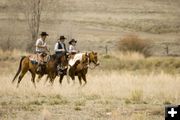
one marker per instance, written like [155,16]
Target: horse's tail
[19,69]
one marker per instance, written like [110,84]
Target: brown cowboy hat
[44,34]
[73,40]
[61,38]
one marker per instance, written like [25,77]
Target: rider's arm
[41,46]
[56,48]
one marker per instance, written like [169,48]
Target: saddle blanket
[34,57]
[76,58]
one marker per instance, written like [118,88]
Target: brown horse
[80,68]
[49,68]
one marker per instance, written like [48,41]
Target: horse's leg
[50,77]
[73,79]
[60,79]
[53,78]
[33,74]
[46,79]
[84,78]
[72,75]
[52,81]
[24,71]
[39,78]
[67,74]
[33,79]
[79,77]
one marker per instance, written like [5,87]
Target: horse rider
[60,50]
[72,48]
[74,54]
[41,50]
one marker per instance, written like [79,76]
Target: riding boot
[39,69]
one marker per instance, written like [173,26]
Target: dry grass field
[124,87]
[111,94]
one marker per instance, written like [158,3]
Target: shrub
[80,103]
[134,43]
[77,108]
[136,96]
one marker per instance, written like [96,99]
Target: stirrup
[60,72]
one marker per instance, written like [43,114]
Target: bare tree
[32,10]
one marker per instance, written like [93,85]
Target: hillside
[96,24]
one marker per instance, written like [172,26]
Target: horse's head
[93,58]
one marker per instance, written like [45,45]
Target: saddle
[35,58]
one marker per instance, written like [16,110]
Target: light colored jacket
[72,49]
[42,43]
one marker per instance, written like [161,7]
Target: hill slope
[97,23]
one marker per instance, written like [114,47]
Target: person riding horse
[41,50]
[80,67]
[60,50]
[72,48]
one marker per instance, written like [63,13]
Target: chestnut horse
[80,68]
[50,68]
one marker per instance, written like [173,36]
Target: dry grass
[11,54]
[98,23]
[136,62]
[108,95]
[115,91]
[128,55]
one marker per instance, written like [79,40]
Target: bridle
[89,62]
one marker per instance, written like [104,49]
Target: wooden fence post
[167,49]
[106,48]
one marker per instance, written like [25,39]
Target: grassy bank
[129,61]
[137,63]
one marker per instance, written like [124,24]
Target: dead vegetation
[98,22]
[134,43]
[127,85]
[109,94]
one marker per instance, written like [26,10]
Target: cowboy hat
[73,40]
[61,38]
[44,34]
